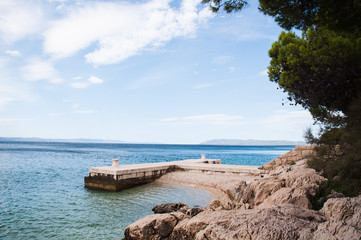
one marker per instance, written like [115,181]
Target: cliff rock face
[299,153]
[274,206]
[169,207]
[278,222]
[286,184]
[343,219]
[339,219]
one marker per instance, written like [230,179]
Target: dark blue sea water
[42,193]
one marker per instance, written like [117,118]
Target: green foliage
[331,136]
[310,139]
[289,14]
[335,15]
[330,187]
[338,158]
[228,6]
[341,16]
[320,70]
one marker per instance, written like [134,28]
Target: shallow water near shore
[43,196]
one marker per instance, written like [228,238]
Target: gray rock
[276,206]
[169,207]
[335,194]
[343,219]
[279,222]
[194,211]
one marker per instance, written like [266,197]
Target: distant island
[251,142]
[77,140]
[232,142]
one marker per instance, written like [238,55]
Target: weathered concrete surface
[120,177]
[117,180]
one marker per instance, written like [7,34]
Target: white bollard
[115,163]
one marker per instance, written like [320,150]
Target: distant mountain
[78,140]
[251,142]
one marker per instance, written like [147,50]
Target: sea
[42,194]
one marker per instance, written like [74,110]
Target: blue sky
[148,71]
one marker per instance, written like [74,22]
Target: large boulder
[278,222]
[177,207]
[157,226]
[285,184]
[169,207]
[338,219]
[298,153]
[275,205]
[343,219]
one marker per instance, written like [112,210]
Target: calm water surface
[43,196]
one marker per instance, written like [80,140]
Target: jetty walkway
[119,177]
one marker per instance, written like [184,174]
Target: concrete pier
[119,177]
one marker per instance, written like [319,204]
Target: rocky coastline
[274,205]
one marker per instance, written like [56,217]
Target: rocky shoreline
[275,205]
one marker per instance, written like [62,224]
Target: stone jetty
[119,177]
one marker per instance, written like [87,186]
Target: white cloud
[19,18]
[37,69]
[11,120]
[13,53]
[264,73]
[169,119]
[212,119]
[95,80]
[288,121]
[205,85]
[76,108]
[209,84]
[222,60]
[121,30]
[79,84]
[249,27]
[10,89]
[290,117]
[91,80]
[84,111]
[61,1]
[53,114]
[283,124]
[150,79]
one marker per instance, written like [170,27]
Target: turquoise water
[43,196]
